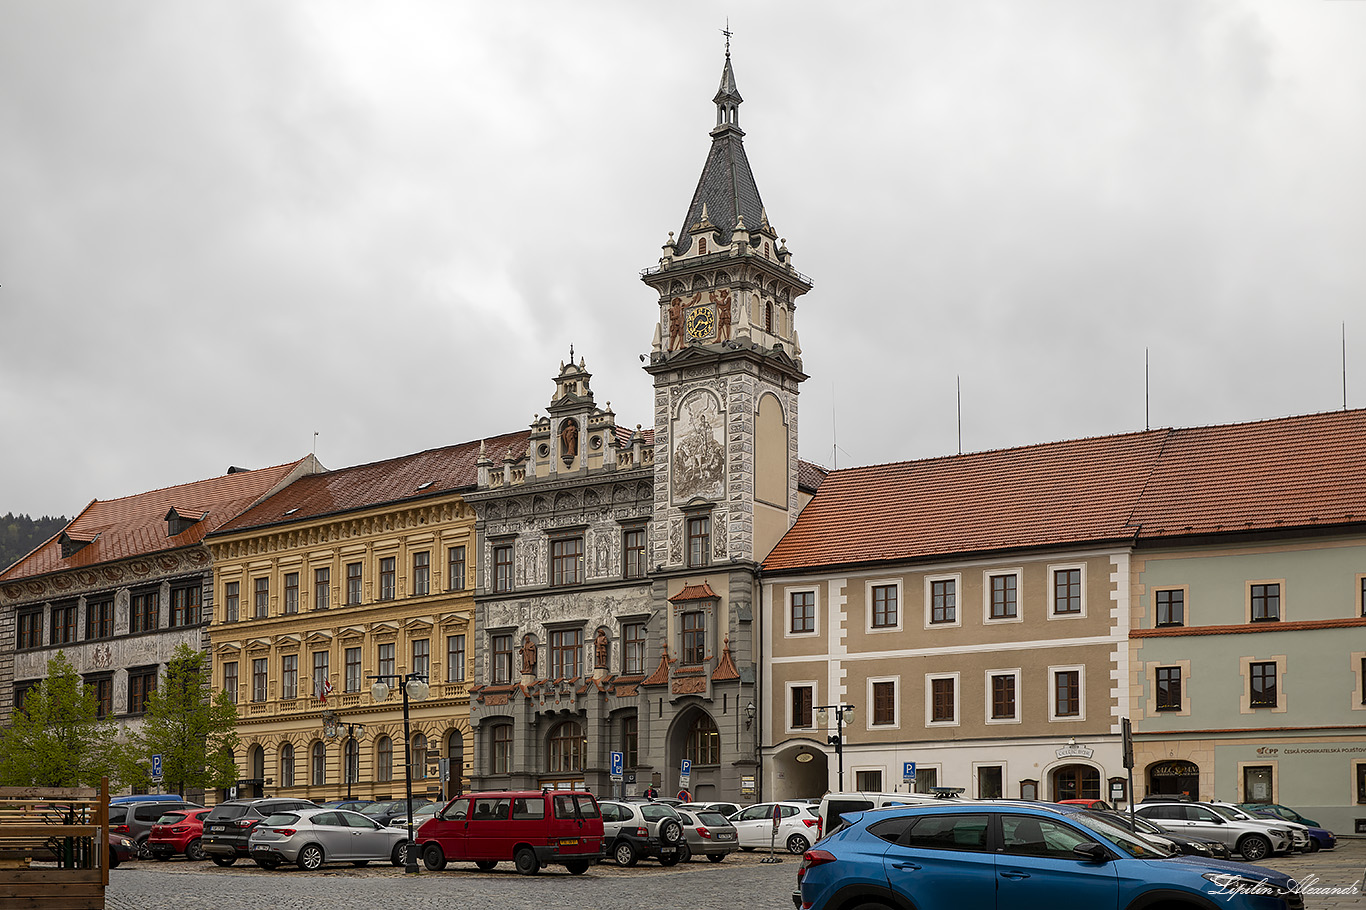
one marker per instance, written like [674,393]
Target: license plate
[216,828]
[569,842]
[725,837]
[667,849]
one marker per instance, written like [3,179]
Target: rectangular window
[291,592]
[232,598]
[884,703]
[1067,693]
[30,630]
[633,553]
[1003,596]
[868,781]
[64,624]
[502,568]
[104,696]
[353,673]
[565,647]
[455,658]
[388,570]
[1067,591]
[1362,599]
[259,679]
[803,613]
[455,568]
[322,588]
[633,657]
[630,741]
[1266,603]
[1168,688]
[230,680]
[262,602]
[1003,696]
[386,659]
[884,606]
[694,638]
[989,782]
[944,601]
[942,700]
[501,647]
[99,619]
[185,604]
[502,748]
[320,672]
[1171,607]
[801,706]
[353,579]
[699,541]
[141,683]
[144,613]
[1262,677]
[422,573]
[422,657]
[289,676]
[566,561]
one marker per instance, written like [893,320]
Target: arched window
[319,763]
[455,755]
[419,756]
[256,763]
[287,764]
[384,759]
[704,741]
[502,749]
[768,317]
[567,745]
[352,760]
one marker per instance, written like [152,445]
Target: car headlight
[1232,883]
[1202,849]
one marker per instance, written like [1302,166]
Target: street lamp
[837,740]
[415,688]
[331,723]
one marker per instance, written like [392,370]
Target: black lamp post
[837,740]
[415,688]
[331,723]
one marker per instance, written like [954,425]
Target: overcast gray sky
[227,225]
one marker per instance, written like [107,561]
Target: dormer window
[180,520]
[72,545]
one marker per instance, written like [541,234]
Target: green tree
[58,740]
[193,729]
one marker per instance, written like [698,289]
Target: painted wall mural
[699,455]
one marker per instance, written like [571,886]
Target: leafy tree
[20,534]
[57,740]
[192,728]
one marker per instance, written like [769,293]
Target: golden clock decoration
[701,323]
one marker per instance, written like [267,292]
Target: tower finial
[727,32]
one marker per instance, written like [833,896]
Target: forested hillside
[19,534]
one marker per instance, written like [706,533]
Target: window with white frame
[801,700]
[1067,586]
[941,600]
[1067,700]
[941,699]
[1003,696]
[884,605]
[884,705]
[801,612]
[1001,596]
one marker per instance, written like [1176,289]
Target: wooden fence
[54,847]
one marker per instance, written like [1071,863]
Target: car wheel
[1254,847]
[670,860]
[526,862]
[194,850]
[310,858]
[624,854]
[399,855]
[578,867]
[223,860]
[113,858]
[1313,846]
[433,857]
[670,831]
[684,853]
[268,864]
[144,850]
[797,844]
[716,857]
[485,865]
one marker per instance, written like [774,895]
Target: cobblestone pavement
[741,881]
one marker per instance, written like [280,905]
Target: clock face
[701,323]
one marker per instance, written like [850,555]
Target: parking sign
[685,770]
[617,763]
[156,765]
[908,771]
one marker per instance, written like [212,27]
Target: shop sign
[1074,752]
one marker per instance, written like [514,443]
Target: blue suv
[981,856]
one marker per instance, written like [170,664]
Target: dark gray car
[136,819]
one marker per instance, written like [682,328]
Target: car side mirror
[1094,852]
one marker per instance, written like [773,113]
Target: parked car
[419,816]
[726,809]
[833,805]
[311,837]
[146,798]
[178,832]
[137,817]
[632,831]
[122,848]
[1178,843]
[708,834]
[1099,805]
[1252,841]
[964,856]
[530,828]
[1319,838]
[353,805]
[1299,834]
[228,825]
[1278,811]
[385,812]
[798,826]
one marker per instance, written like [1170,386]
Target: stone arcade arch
[799,768]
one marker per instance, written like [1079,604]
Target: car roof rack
[946,792]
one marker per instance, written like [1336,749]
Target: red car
[530,828]
[178,831]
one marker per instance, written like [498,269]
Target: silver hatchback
[311,837]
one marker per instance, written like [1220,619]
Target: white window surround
[929,700]
[1005,774]
[868,586]
[814,686]
[1053,672]
[896,703]
[1053,590]
[787,612]
[1019,696]
[987,575]
[1150,673]
[957,579]
[854,773]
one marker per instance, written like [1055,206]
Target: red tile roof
[1288,472]
[136,525]
[694,592]
[448,469]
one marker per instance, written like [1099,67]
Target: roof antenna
[1344,366]
[727,32]
[959,380]
[315,443]
[1147,421]
[834,433]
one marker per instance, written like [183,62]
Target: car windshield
[654,813]
[376,810]
[1231,813]
[171,818]
[1133,844]
[280,818]
[226,810]
[713,819]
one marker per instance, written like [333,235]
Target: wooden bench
[54,847]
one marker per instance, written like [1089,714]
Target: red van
[530,828]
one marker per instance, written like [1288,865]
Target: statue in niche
[569,439]
[528,656]
[675,323]
[722,300]
[600,650]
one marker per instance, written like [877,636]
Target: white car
[798,826]
[1299,834]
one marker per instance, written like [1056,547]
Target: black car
[228,826]
[135,819]
[385,812]
[1189,846]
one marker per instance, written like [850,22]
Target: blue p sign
[686,769]
[617,763]
[908,770]
[156,765]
